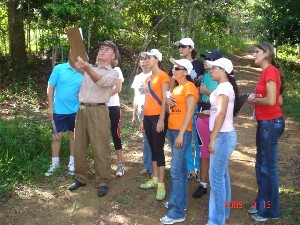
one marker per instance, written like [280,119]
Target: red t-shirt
[265,112]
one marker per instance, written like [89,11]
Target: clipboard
[76,44]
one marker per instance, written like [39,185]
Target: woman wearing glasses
[186,48]
[182,104]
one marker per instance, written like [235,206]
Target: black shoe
[200,191]
[102,191]
[75,185]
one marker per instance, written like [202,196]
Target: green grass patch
[24,150]
[290,200]
[123,199]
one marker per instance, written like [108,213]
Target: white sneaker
[52,169]
[167,220]
[120,170]
[71,169]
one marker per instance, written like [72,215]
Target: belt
[91,104]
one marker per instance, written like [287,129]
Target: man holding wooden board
[92,122]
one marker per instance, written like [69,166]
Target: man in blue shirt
[63,88]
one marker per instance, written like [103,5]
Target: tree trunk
[17,49]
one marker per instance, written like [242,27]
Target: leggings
[115,119]
[156,140]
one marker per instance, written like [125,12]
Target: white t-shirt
[225,89]
[115,100]
[139,83]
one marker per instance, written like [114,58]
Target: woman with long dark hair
[270,126]
[223,139]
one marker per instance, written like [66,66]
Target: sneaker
[120,170]
[167,220]
[161,193]
[197,176]
[252,210]
[144,171]
[149,184]
[71,169]
[166,205]
[200,191]
[259,218]
[51,170]
[190,175]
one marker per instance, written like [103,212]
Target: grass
[24,146]
[290,199]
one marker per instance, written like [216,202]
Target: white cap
[185,41]
[184,63]
[224,63]
[154,52]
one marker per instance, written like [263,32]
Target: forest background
[33,40]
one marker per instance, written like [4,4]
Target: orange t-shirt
[178,112]
[151,107]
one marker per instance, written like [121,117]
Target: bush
[24,150]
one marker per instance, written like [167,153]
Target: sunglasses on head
[182,46]
[177,68]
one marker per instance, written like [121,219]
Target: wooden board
[76,43]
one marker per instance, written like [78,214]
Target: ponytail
[189,78]
[282,85]
[193,54]
[232,81]
[161,66]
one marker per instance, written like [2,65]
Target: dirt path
[48,202]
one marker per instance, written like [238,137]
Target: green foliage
[291,95]
[3,29]
[278,21]
[23,145]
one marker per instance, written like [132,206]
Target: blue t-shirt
[67,82]
[210,84]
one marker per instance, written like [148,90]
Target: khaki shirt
[99,92]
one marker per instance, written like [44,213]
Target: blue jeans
[193,164]
[220,188]
[267,136]
[147,155]
[179,185]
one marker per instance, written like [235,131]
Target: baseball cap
[224,63]
[184,63]
[113,45]
[212,55]
[185,41]
[154,52]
